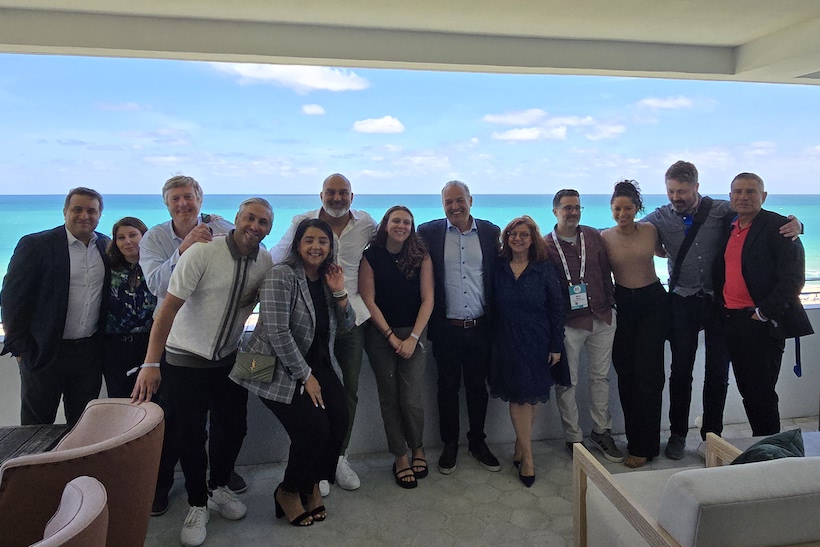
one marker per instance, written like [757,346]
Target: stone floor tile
[518,499]
[465,527]
[531,519]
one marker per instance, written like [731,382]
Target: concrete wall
[267,441]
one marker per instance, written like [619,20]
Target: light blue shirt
[463,273]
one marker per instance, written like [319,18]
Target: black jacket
[34,298]
[774,268]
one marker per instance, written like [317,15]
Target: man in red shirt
[758,280]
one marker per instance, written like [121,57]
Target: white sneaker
[324,488]
[193,530]
[227,504]
[345,476]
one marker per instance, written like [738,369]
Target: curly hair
[537,251]
[113,251]
[413,251]
[628,189]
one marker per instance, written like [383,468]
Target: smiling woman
[129,308]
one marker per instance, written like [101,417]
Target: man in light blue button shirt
[463,250]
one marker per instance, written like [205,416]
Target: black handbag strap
[697,222]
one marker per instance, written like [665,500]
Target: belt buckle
[469,323]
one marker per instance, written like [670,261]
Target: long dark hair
[294,258]
[413,251]
[537,251]
[114,254]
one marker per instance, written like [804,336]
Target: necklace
[518,268]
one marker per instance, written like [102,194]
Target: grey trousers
[400,383]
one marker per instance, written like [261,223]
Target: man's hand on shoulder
[792,229]
[200,234]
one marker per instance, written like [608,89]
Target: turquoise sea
[21,215]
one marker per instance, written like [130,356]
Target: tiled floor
[470,507]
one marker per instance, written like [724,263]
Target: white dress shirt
[159,254]
[85,288]
[356,236]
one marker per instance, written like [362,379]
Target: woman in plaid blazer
[302,303]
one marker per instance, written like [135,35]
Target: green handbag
[254,366]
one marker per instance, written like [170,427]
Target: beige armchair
[756,504]
[115,442]
[82,518]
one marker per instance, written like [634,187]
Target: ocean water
[21,215]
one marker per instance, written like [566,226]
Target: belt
[76,342]
[747,310]
[127,338]
[466,323]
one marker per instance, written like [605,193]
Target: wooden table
[29,439]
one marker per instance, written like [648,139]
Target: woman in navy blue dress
[528,333]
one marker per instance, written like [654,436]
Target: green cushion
[787,444]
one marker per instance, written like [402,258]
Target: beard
[336,212]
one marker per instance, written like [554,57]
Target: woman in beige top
[643,319]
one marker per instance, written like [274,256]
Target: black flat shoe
[298,521]
[526,480]
[400,479]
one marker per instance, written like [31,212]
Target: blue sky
[126,125]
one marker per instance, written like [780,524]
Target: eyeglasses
[516,235]
[571,208]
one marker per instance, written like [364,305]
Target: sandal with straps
[419,474]
[400,477]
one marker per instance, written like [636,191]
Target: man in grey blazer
[463,250]
[52,311]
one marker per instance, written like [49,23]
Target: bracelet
[144,365]
[389,333]
[340,295]
[414,335]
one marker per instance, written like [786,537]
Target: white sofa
[758,504]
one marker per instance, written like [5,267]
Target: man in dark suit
[51,305]
[758,279]
[463,250]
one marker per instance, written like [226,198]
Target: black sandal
[419,474]
[400,479]
[298,521]
[319,514]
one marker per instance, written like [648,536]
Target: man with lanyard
[580,254]
[352,231]
[690,229]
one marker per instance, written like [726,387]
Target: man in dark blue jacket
[463,250]
[51,305]
[758,279]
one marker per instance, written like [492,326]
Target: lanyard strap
[564,258]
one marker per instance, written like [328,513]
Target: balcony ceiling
[743,40]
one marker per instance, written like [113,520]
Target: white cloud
[570,120]
[302,79]
[387,124]
[669,102]
[372,173]
[605,132]
[521,117]
[474,141]
[313,110]
[162,160]
[532,134]
[393,147]
[761,148]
